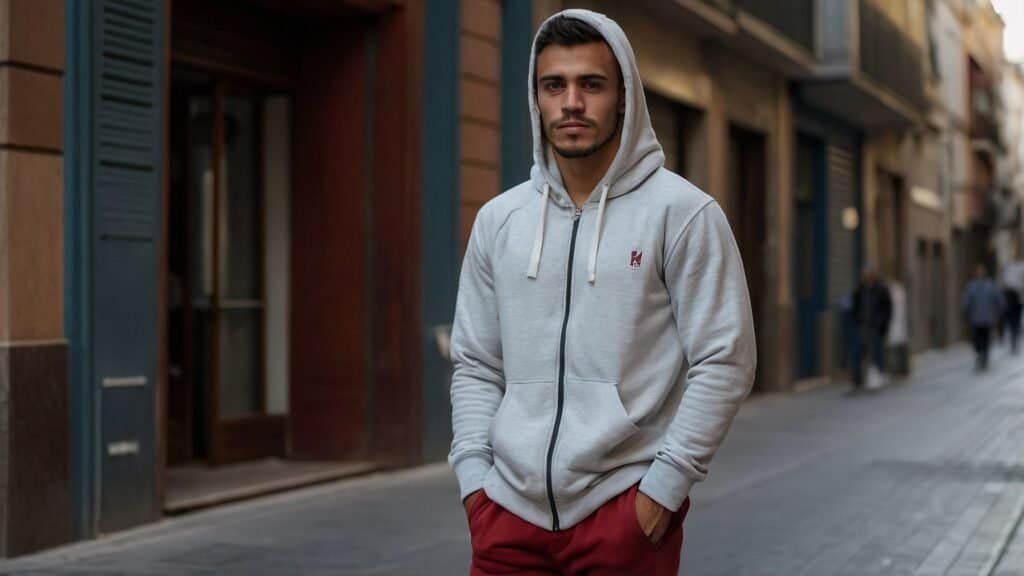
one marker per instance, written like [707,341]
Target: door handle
[129,382]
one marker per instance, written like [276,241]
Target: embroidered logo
[634,259]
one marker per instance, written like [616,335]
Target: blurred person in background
[897,337]
[603,338]
[1012,316]
[872,313]
[982,304]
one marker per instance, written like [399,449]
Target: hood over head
[639,153]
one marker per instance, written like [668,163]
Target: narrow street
[923,477]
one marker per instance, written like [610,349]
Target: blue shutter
[126,107]
[842,243]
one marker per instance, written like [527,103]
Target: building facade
[1009,241]
[35,433]
[983,41]
[207,212]
[230,232]
[948,122]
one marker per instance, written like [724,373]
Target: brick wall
[34,491]
[480,113]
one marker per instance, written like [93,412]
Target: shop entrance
[249,405]
[227,380]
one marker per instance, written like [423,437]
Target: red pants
[608,542]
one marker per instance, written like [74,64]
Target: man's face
[580,98]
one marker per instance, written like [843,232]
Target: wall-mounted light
[851,218]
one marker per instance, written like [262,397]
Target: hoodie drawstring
[538,240]
[592,264]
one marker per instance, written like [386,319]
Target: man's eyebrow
[592,76]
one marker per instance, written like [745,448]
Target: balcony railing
[983,127]
[889,57]
[793,18]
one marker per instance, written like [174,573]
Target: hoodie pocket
[520,433]
[590,443]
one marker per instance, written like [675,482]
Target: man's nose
[573,100]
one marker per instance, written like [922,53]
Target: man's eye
[591,85]
[553,86]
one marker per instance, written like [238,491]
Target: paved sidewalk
[1012,561]
[923,477]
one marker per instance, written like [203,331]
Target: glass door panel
[240,258]
[235,418]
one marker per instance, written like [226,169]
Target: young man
[603,338]
[982,304]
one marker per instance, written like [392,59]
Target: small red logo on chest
[634,259]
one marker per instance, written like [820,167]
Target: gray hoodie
[598,348]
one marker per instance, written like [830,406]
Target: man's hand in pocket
[653,517]
[471,500]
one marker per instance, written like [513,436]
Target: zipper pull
[577,213]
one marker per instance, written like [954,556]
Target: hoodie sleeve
[478,379]
[706,282]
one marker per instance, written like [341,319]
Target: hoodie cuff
[666,485]
[471,471]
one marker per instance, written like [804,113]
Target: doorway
[890,224]
[270,369]
[227,283]
[681,132]
[924,291]
[937,325]
[747,217]
[217,317]
[809,254]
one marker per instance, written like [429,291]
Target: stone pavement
[1012,561]
[924,477]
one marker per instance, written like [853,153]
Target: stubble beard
[574,153]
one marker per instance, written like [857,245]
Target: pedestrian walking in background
[603,337]
[1012,316]
[982,305]
[872,312]
[897,336]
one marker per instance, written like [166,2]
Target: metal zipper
[561,370]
